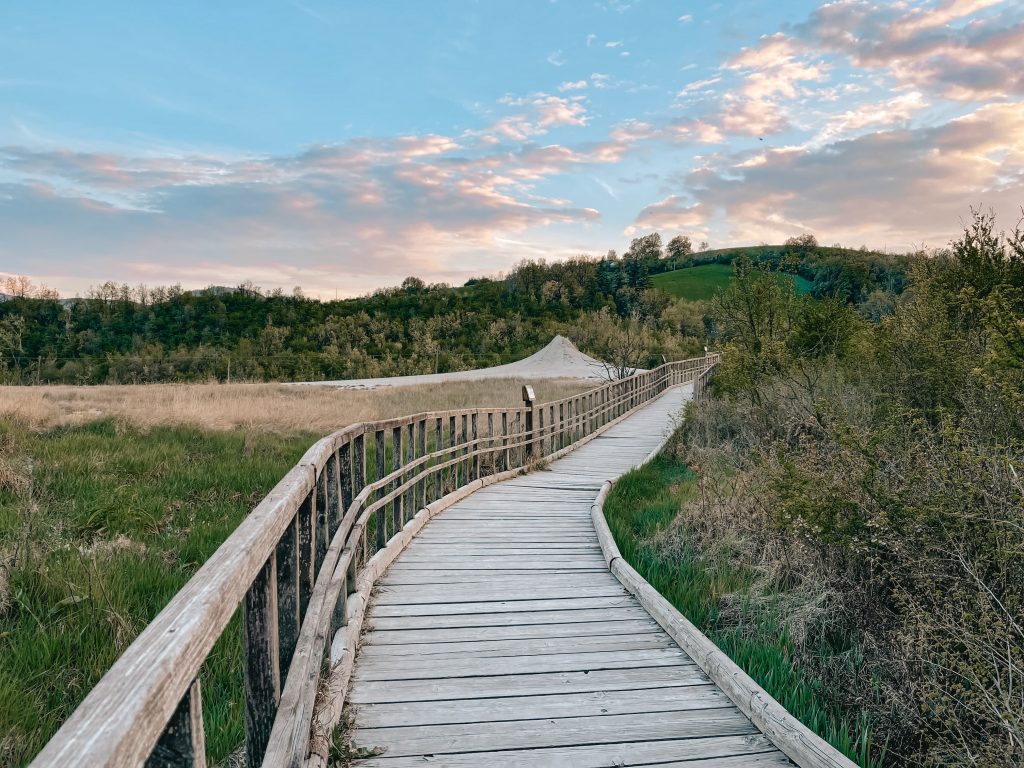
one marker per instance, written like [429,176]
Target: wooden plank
[721,752]
[497,709]
[482,608]
[413,669]
[539,684]
[526,631]
[520,648]
[478,593]
[554,732]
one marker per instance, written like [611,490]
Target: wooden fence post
[382,521]
[528,399]
[183,742]
[262,661]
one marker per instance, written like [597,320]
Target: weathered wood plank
[539,684]
[554,732]
[497,709]
[404,668]
[519,648]
[721,752]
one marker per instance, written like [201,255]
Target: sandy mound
[558,360]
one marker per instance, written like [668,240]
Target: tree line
[123,334]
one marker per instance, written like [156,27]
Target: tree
[645,248]
[679,248]
[22,287]
[620,344]
[801,244]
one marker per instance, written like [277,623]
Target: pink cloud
[896,187]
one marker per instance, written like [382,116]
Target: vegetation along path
[500,637]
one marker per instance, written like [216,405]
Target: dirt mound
[558,360]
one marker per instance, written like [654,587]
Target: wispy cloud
[556,58]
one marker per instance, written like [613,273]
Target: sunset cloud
[897,187]
[495,134]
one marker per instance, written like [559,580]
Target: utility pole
[229,369]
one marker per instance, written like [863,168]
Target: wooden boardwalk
[500,638]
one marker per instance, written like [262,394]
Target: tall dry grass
[258,407]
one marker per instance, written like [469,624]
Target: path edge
[802,745]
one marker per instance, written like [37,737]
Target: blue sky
[341,146]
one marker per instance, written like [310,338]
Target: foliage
[877,467]
[655,514]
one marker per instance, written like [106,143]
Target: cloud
[686,18]
[672,213]
[556,58]
[613,44]
[354,215]
[573,85]
[947,48]
[897,187]
[541,112]
[699,85]
[885,114]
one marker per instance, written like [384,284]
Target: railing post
[540,432]
[528,400]
[453,451]
[307,549]
[262,661]
[287,555]
[438,476]
[504,441]
[183,742]
[345,470]
[474,462]
[492,454]
[382,518]
[397,461]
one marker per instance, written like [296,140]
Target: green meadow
[704,281]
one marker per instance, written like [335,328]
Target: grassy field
[712,593]
[259,407]
[702,282]
[112,497]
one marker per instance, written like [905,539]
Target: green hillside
[704,281]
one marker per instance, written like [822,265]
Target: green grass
[702,282]
[647,500]
[113,525]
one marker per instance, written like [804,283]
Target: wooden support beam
[183,742]
[262,661]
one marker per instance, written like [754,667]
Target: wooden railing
[302,565]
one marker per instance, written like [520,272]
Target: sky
[343,146]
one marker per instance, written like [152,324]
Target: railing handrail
[294,561]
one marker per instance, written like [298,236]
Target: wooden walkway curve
[500,638]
